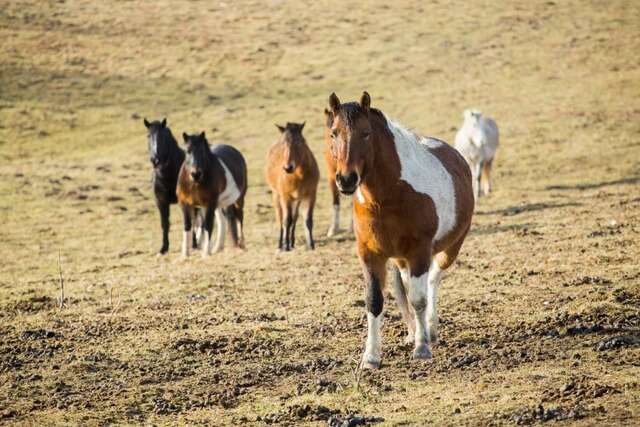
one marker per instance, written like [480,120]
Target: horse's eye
[334,134]
[366,135]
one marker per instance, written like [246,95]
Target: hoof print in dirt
[352,420]
[529,416]
[621,341]
[295,413]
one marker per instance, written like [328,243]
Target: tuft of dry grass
[540,311]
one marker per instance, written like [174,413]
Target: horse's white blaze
[231,192]
[435,275]
[424,172]
[221,228]
[373,351]
[186,243]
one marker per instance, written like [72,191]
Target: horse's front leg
[187,212]
[374,274]
[335,219]
[207,229]
[222,227]
[164,210]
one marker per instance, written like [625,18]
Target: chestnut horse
[214,179]
[292,173]
[331,173]
[413,205]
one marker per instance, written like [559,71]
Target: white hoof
[422,352]
[370,361]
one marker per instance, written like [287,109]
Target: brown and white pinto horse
[214,179]
[292,173]
[413,205]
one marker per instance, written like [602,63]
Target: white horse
[477,141]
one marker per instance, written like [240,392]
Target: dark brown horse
[166,158]
[292,173]
[214,179]
[413,205]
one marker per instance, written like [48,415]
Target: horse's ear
[365,101]
[146,123]
[329,117]
[164,123]
[280,128]
[185,137]
[202,137]
[334,102]
[302,126]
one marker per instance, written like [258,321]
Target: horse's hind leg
[230,213]
[441,261]
[221,226]
[417,278]
[308,221]
[400,294]
[239,207]
[207,229]
[486,176]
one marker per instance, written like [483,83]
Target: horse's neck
[380,174]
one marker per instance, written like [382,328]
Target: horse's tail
[231,214]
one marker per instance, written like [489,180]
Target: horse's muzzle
[347,184]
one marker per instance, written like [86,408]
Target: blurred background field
[541,310]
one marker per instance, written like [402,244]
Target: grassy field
[540,316]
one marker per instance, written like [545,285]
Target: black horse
[167,158]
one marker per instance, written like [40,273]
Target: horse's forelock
[350,112]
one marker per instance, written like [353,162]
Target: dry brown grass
[549,271]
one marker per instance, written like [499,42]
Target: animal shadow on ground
[592,185]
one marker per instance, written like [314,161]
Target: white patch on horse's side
[186,243]
[433,282]
[231,192]
[373,350]
[426,174]
[360,196]
[221,228]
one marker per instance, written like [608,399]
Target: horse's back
[234,161]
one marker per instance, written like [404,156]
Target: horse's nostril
[348,181]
